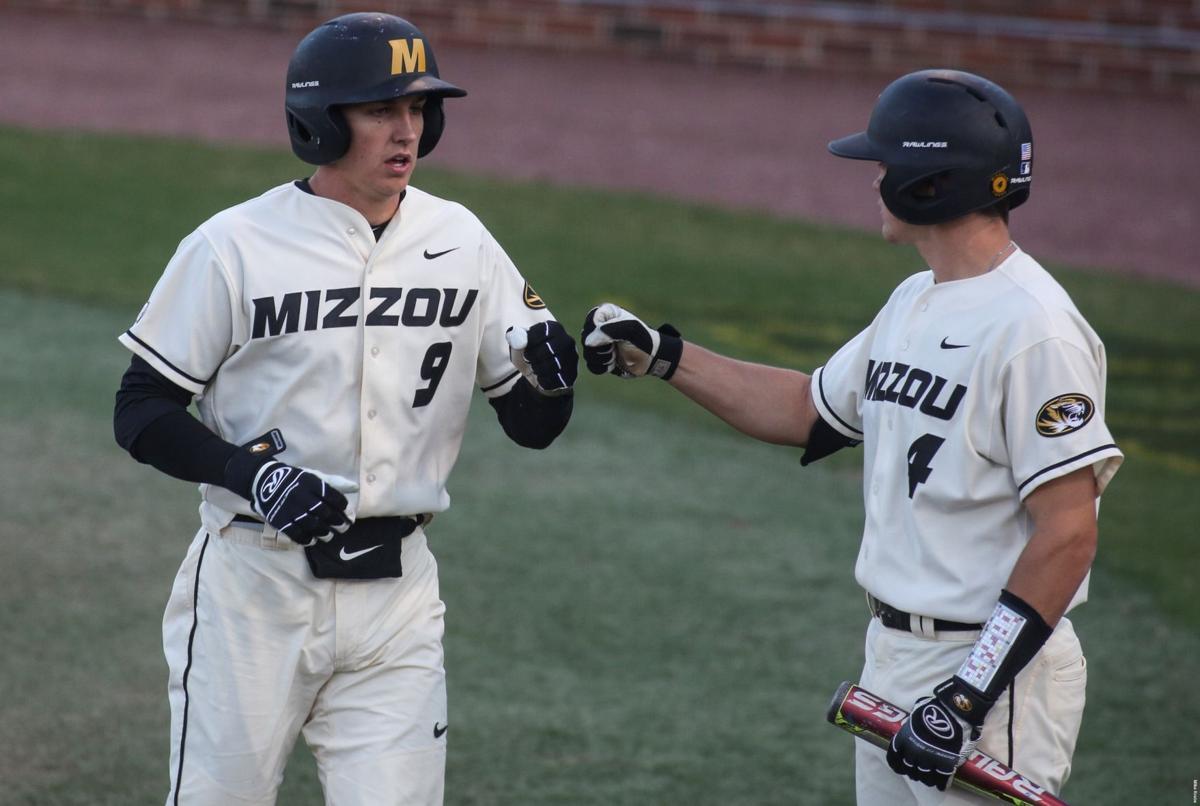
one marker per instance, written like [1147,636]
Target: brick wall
[1128,46]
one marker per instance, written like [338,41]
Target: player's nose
[404,129]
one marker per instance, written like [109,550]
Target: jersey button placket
[370,414]
[369,391]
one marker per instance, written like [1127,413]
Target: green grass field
[662,617]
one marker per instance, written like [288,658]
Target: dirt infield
[1117,178]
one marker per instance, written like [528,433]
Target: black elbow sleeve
[530,419]
[823,440]
[145,396]
[152,423]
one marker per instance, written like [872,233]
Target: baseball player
[977,394]
[331,332]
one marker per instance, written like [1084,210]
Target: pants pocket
[1072,670]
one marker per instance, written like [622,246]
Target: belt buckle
[889,616]
[878,609]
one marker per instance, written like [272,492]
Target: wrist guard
[1012,636]
[670,350]
[241,470]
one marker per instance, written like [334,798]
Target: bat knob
[835,705]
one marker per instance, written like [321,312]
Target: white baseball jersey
[967,395]
[284,313]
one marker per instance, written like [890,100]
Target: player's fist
[932,743]
[545,355]
[616,341]
[298,503]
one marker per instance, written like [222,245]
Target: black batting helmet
[953,143]
[353,59]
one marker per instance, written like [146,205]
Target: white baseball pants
[260,651]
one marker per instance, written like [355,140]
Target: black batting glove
[933,741]
[298,503]
[545,355]
[615,341]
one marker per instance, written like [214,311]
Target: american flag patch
[1026,151]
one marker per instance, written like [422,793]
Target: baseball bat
[874,719]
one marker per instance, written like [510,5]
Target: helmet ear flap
[319,136]
[435,123]
[339,134]
[914,197]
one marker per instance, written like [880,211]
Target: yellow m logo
[408,56]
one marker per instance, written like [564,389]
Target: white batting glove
[616,341]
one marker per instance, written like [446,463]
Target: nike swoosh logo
[350,555]
[948,346]
[431,255]
[439,732]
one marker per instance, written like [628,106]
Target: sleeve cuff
[156,360]
[827,413]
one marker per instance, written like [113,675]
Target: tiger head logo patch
[999,184]
[1064,414]
[532,300]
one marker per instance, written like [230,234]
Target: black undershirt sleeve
[531,419]
[824,440]
[151,421]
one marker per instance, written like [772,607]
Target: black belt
[383,528]
[899,620]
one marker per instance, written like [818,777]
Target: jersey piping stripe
[821,391]
[1012,710]
[498,385]
[187,671]
[160,357]
[1044,470]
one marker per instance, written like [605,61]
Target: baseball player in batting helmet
[977,394]
[331,333]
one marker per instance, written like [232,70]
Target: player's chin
[392,184]
[893,231]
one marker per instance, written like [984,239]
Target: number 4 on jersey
[920,454]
